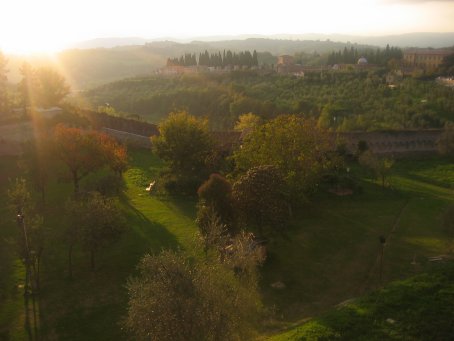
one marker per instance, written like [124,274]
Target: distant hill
[103,60]
[416,39]
[109,42]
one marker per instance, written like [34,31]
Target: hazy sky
[46,25]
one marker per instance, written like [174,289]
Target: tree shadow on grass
[99,299]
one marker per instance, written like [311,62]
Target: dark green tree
[261,198]
[184,144]
[97,221]
[297,146]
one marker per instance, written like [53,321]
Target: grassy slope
[328,255]
[344,261]
[419,308]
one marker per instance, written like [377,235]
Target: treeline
[378,56]
[227,58]
[342,101]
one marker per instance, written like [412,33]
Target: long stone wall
[128,138]
[393,142]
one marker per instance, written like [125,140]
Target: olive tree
[176,298]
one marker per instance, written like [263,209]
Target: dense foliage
[176,298]
[260,197]
[351,56]
[296,146]
[184,144]
[227,58]
[359,100]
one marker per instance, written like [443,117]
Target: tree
[27,85]
[381,166]
[84,152]
[116,155]
[214,233]
[298,147]
[184,144]
[446,141]
[4,101]
[216,193]
[94,222]
[36,160]
[43,86]
[51,87]
[244,254]
[248,121]
[176,298]
[261,199]
[448,225]
[32,235]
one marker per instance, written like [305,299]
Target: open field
[329,254]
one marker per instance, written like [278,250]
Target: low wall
[128,138]
[393,142]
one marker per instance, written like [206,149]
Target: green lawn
[328,255]
[418,308]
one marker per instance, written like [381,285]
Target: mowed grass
[329,253]
[332,254]
[92,304]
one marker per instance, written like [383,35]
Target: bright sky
[50,25]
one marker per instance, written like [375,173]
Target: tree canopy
[296,146]
[184,144]
[175,298]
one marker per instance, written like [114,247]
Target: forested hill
[342,101]
[86,68]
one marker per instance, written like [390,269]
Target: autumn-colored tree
[115,153]
[84,152]
[297,146]
[79,150]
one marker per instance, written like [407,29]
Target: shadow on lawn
[90,306]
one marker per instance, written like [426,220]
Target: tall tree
[261,197]
[36,160]
[4,101]
[51,87]
[381,166]
[184,144]
[95,222]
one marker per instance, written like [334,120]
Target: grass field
[329,253]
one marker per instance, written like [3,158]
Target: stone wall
[393,142]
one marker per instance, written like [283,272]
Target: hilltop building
[425,58]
